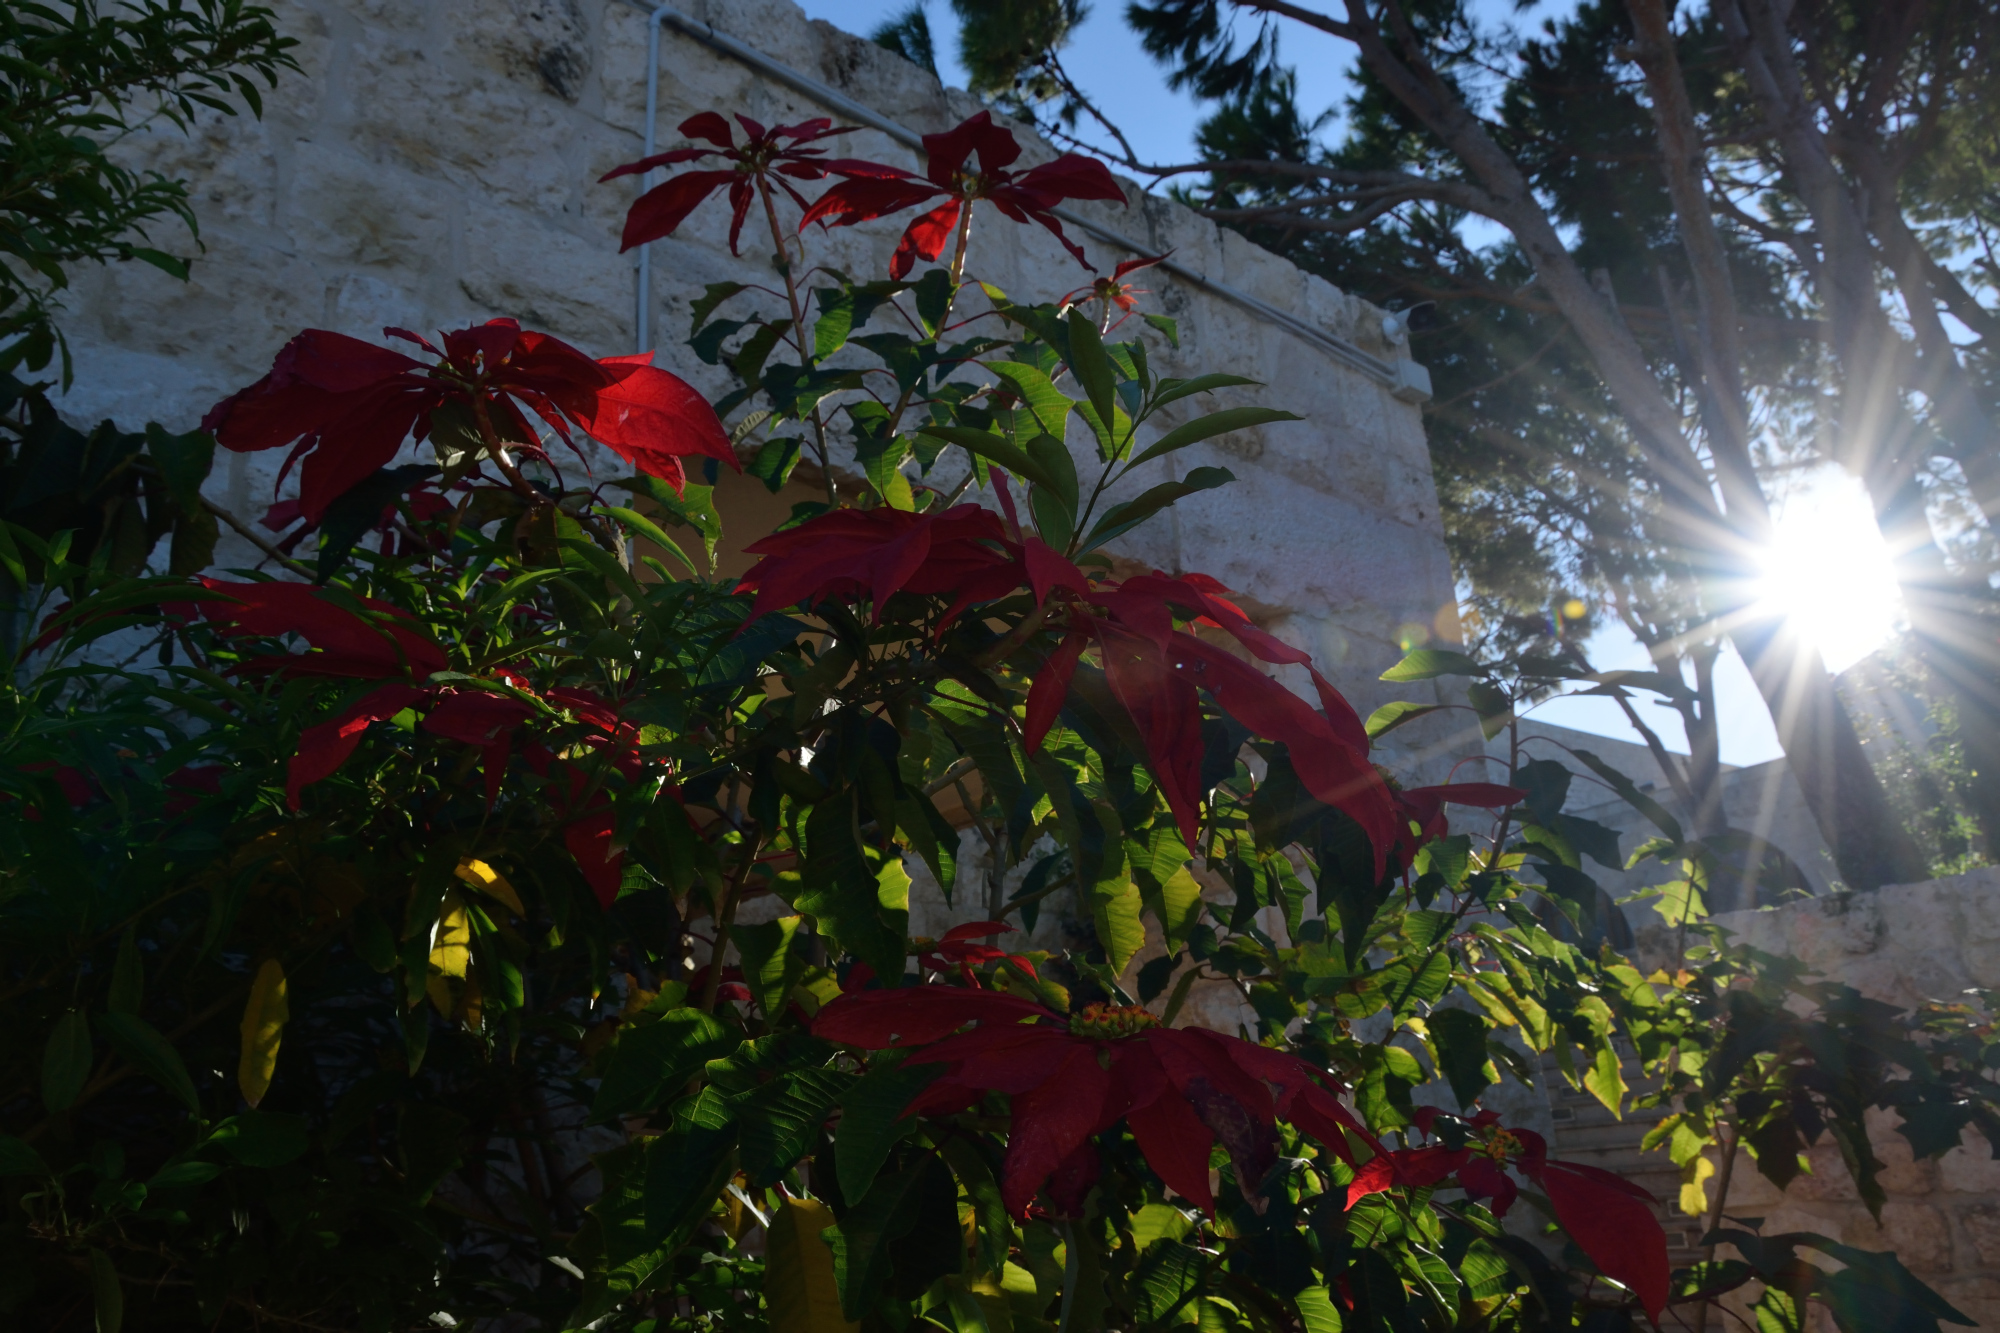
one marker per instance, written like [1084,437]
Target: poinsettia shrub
[487,915]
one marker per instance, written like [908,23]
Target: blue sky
[1104,57]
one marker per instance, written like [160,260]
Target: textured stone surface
[1903,944]
[436,162]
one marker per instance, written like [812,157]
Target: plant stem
[725,918]
[1071,1264]
[782,257]
[1727,1149]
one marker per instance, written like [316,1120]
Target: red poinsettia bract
[1423,816]
[1605,1214]
[878,191]
[388,646]
[1155,670]
[346,406]
[959,948]
[1179,1090]
[1114,289]
[769,155]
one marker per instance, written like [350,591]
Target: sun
[1829,574]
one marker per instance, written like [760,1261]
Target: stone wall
[1902,945]
[436,163]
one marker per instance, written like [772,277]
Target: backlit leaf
[800,1292]
[264,1016]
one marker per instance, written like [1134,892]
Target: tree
[74,80]
[1675,380]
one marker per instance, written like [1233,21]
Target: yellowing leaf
[1694,1182]
[490,882]
[451,947]
[1606,1079]
[264,1018]
[1180,903]
[892,886]
[799,1288]
[1114,909]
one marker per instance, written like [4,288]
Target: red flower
[877,553]
[347,405]
[375,646]
[780,149]
[957,949]
[1115,289]
[1605,1214]
[1177,1089]
[874,191]
[1155,671]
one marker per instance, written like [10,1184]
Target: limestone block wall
[1902,945]
[436,163]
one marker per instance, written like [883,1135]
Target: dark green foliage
[73,79]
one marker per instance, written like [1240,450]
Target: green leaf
[1459,1036]
[1093,371]
[907,1225]
[651,1063]
[836,320]
[1122,518]
[107,1292]
[182,1175]
[1172,391]
[774,462]
[713,295]
[1049,405]
[1169,328]
[1430,663]
[933,295]
[871,1122]
[1167,1274]
[1318,1312]
[1114,911]
[1596,841]
[652,532]
[142,1047]
[1875,1293]
[66,1061]
[1054,520]
[359,509]
[1207,427]
[18,1158]
[128,975]
[1392,715]
[769,964]
[1052,456]
[261,1138]
[1605,1079]
[183,462]
[1638,800]
[778,1123]
[989,1209]
[686,1167]
[1178,906]
[1491,703]
[172,265]
[994,449]
[693,506]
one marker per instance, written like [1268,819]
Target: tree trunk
[1825,754]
